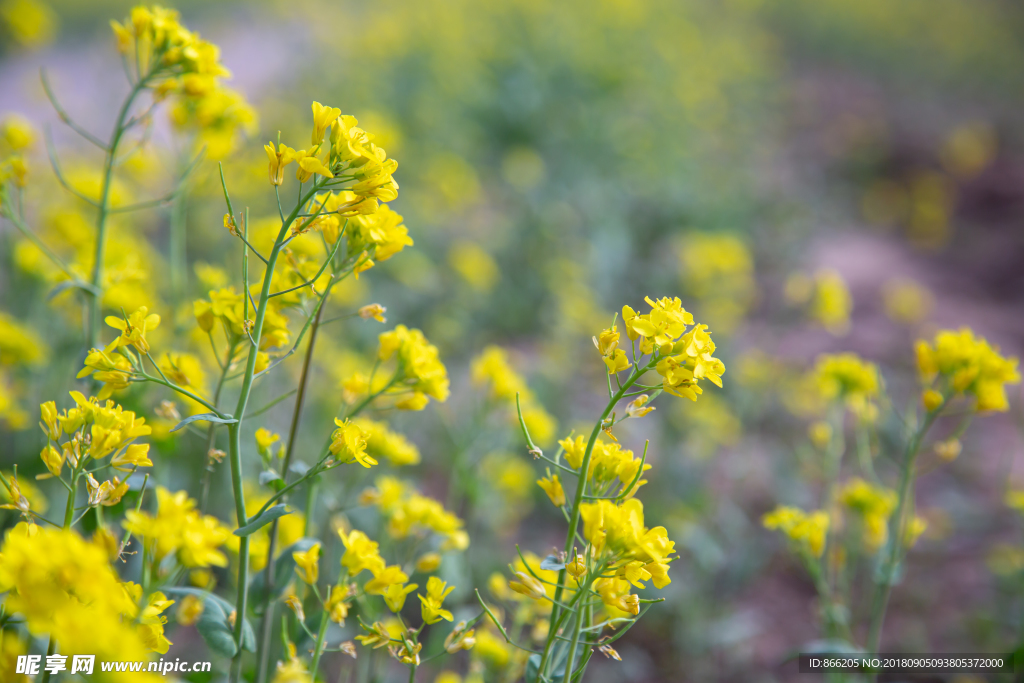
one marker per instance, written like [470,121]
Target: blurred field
[560,160]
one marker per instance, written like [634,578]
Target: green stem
[574,516]
[234,431]
[318,649]
[268,609]
[69,509]
[69,515]
[898,530]
[211,433]
[104,211]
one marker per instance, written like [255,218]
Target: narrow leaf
[268,516]
[209,417]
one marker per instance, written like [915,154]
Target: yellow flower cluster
[826,296]
[685,357]
[492,368]
[16,136]
[408,512]
[719,269]
[391,445]
[64,586]
[419,375]
[170,59]
[847,377]
[374,232]
[635,553]
[348,444]
[609,462]
[966,364]
[19,345]
[874,505]
[94,431]
[227,307]
[179,528]
[807,531]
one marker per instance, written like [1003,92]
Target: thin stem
[574,516]
[318,649]
[896,539]
[103,211]
[265,626]
[234,431]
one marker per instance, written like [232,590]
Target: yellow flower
[18,501]
[376,636]
[295,604]
[847,377]
[638,407]
[384,577]
[360,553]
[906,301]
[31,23]
[151,623]
[115,371]
[380,440]
[348,444]
[430,607]
[931,400]
[17,132]
[807,531]
[309,164]
[528,586]
[460,639]
[553,487]
[820,433]
[615,595]
[190,609]
[53,459]
[421,369]
[375,311]
[279,158]
[264,440]
[476,267]
[133,329]
[323,117]
[292,671]
[875,504]
[135,455]
[577,567]
[970,365]
[307,564]
[178,528]
[394,595]
[949,449]
[50,424]
[336,606]
[832,302]
[108,493]
[428,562]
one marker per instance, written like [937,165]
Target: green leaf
[215,629]
[532,673]
[65,285]
[267,476]
[209,417]
[214,625]
[552,564]
[265,518]
[284,566]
